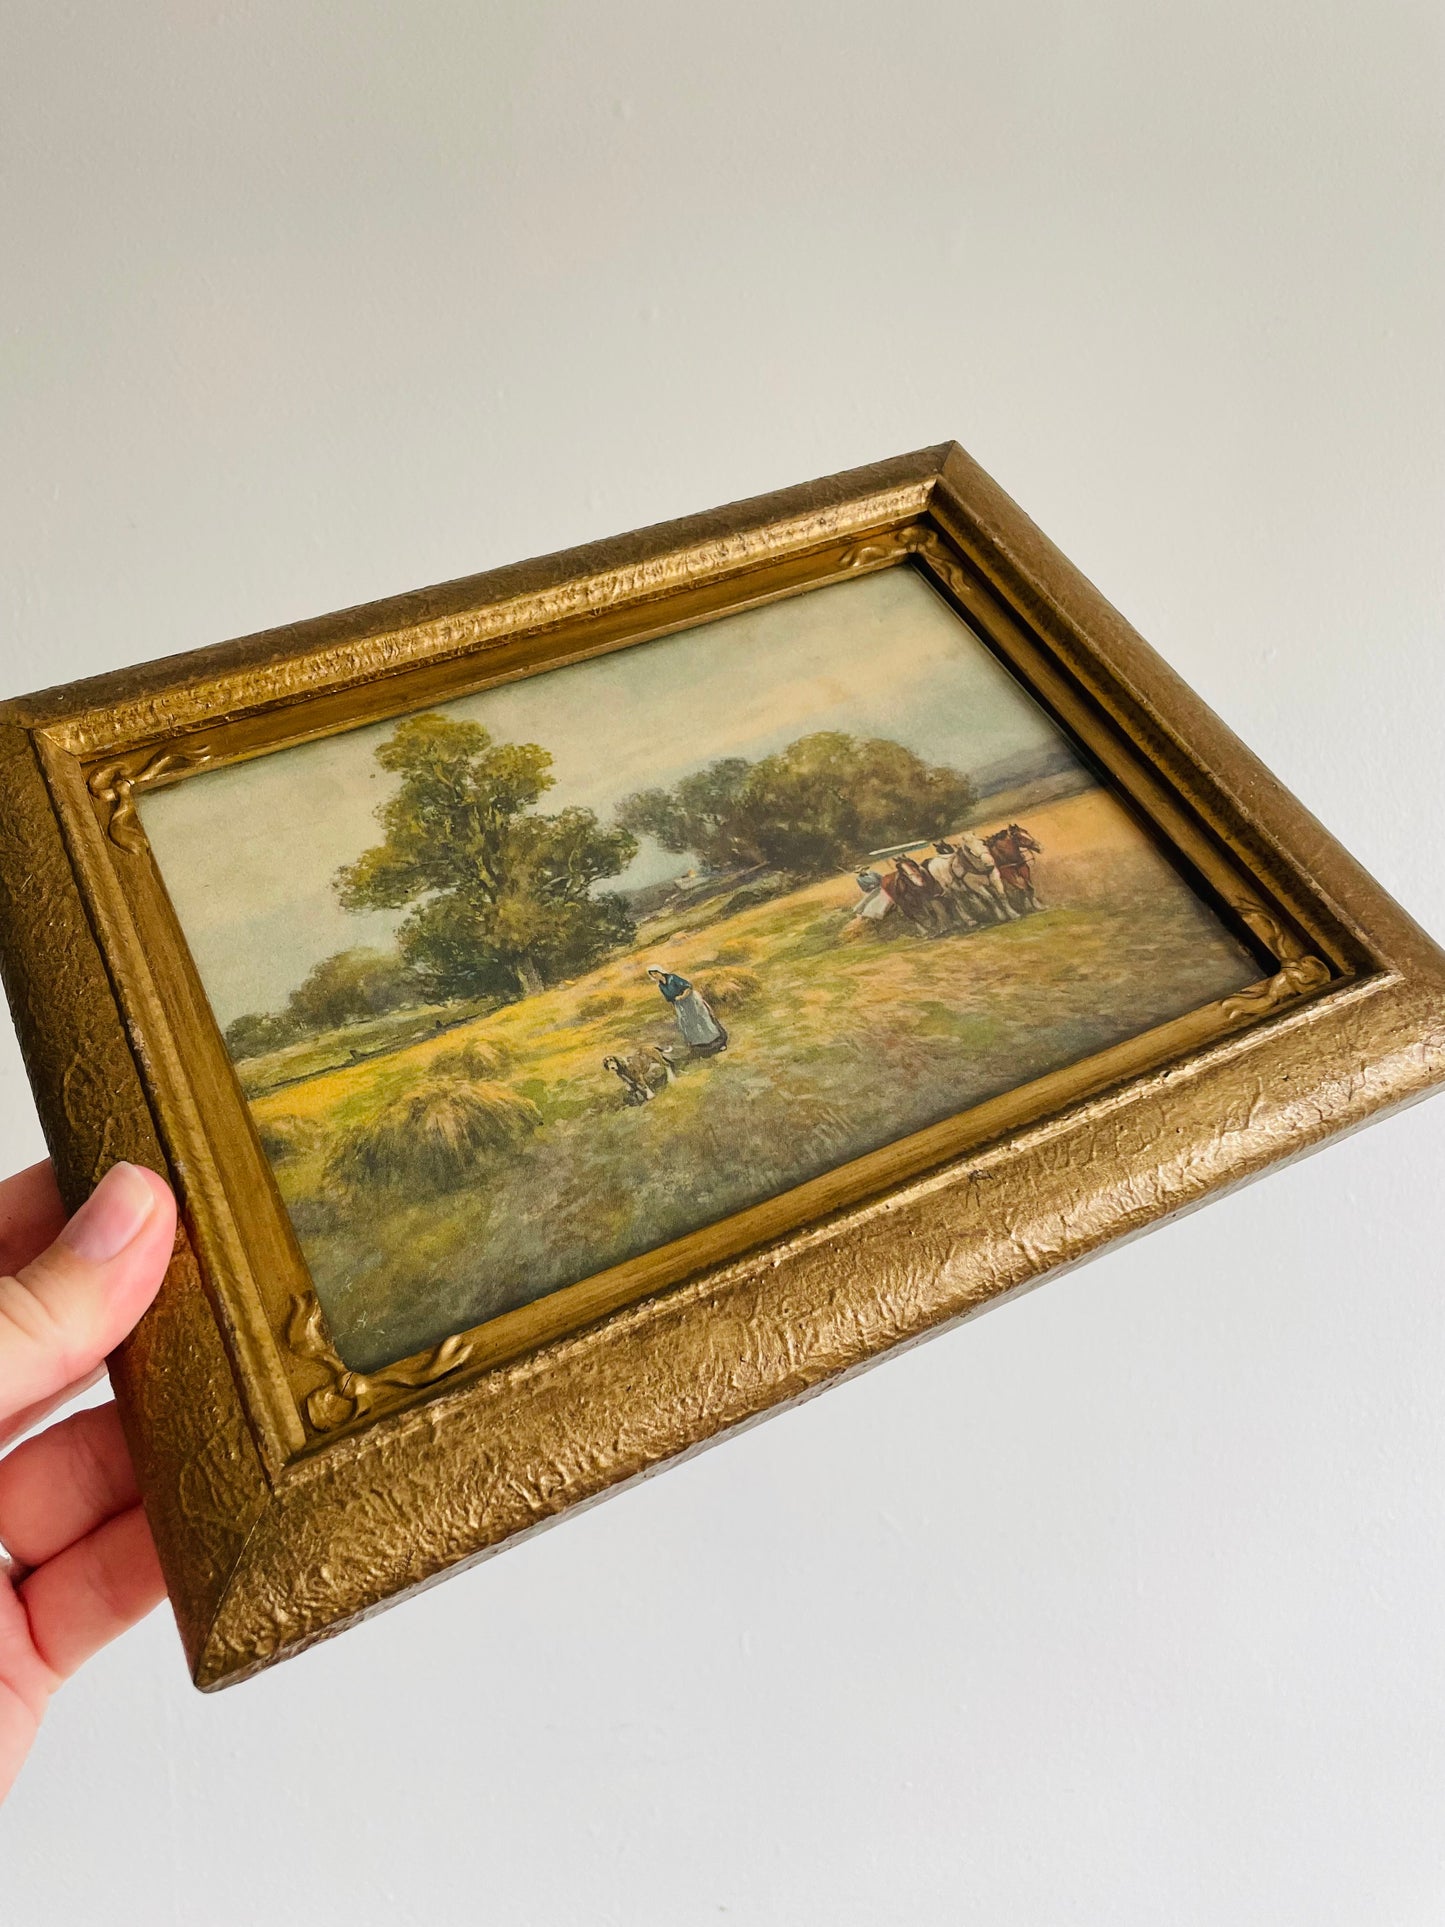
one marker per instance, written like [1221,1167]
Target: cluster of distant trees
[821,803]
[344,989]
[502,898]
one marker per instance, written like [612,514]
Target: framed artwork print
[587,1006]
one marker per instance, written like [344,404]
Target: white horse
[970,876]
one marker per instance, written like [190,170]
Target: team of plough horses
[968,883]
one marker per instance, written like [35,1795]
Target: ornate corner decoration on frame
[348,1395]
[291,1493]
[1299,973]
[114,787]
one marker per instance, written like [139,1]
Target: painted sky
[248,853]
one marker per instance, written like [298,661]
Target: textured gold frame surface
[290,1495]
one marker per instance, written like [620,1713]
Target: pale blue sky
[248,852]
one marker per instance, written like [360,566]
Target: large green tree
[503,897]
[821,803]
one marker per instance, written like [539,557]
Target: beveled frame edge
[260,1568]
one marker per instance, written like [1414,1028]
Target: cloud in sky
[248,852]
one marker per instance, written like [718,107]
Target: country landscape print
[527,985]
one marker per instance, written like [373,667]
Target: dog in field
[643,1073]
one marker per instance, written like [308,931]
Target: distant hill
[1016,784]
[1029,767]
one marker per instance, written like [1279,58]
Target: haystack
[434,1137]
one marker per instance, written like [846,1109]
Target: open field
[328,1050]
[835,1048]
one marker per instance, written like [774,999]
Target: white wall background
[1122,1605]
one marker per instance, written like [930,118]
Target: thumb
[66,1309]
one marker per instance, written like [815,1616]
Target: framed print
[585,1007]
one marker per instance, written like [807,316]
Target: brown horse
[919,897]
[1010,850]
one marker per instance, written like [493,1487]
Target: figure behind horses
[1010,850]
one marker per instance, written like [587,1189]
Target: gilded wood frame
[289,1495]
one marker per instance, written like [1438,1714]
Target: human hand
[83,1566]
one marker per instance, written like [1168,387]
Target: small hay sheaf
[479,1058]
[289,1137]
[726,989]
[600,1002]
[431,1139]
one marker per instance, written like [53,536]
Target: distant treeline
[345,989]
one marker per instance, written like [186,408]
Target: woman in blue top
[704,1034]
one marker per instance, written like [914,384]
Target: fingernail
[111,1216]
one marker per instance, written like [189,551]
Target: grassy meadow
[837,1045]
